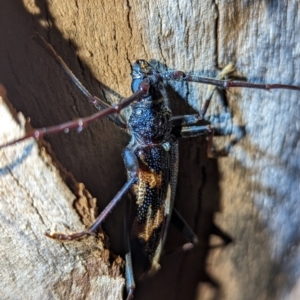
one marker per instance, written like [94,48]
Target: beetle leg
[191,237]
[182,125]
[229,68]
[186,125]
[220,126]
[132,166]
[186,230]
[94,227]
[217,82]
[181,224]
[130,285]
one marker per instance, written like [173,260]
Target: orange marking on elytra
[146,179]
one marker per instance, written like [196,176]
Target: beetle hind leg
[192,238]
[186,230]
[130,285]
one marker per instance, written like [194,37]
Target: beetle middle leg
[94,227]
[132,166]
[187,126]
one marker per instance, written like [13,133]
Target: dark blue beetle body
[152,193]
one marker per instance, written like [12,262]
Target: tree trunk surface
[251,194]
[36,199]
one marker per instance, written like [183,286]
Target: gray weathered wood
[254,190]
[31,193]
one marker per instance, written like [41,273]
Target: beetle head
[141,69]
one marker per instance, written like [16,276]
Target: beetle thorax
[149,122]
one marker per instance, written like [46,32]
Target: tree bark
[35,199]
[251,194]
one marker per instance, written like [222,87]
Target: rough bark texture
[35,199]
[251,194]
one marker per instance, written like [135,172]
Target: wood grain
[252,194]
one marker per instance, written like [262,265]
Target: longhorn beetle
[151,157]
